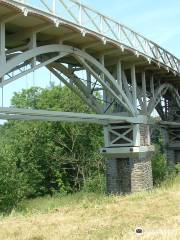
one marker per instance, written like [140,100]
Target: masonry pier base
[128,168]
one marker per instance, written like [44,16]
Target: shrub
[177,167]
[12,182]
[95,184]
[159,166]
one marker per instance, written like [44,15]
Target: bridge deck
[19,27]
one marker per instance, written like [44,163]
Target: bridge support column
[128,158]
[171,136]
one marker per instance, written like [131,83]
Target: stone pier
[128,158]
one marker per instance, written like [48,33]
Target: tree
[53,156]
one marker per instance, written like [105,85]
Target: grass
[84,216]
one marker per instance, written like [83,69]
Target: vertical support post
[119,74]
[144,92]
[88,74]
[33,44]
[152,86]
[134,89]
[126,86]
[166,107]
[101,59]
[105,98]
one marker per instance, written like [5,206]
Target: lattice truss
[88,18]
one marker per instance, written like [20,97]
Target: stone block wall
[126,175]
[141,173]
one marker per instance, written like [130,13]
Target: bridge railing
[88,18]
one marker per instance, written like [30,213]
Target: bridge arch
[89,62]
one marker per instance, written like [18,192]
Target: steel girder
[44,115]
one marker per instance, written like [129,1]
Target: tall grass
[98,216]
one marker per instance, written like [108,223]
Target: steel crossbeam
[44,115]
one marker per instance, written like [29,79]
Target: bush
[12,182]
[159,166]
[45,158]
[177,167]
[95,184]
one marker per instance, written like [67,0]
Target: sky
[158,20]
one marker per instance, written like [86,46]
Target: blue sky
[158,20]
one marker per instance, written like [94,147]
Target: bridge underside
[122,85]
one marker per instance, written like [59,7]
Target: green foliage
[95,183]
[48,157]
[55,158]
[177,167]
[159,166]
[161,171]
[12,181]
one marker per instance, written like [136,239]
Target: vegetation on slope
[39,158]
[52,158]
[93,216]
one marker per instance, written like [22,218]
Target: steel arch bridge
[135,75]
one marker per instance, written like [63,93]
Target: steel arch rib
[22,74]
[159,93]
[64,70]
[127,104]
[175,95]
[157,97]
[58,48]
[74,89]
[78,83]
